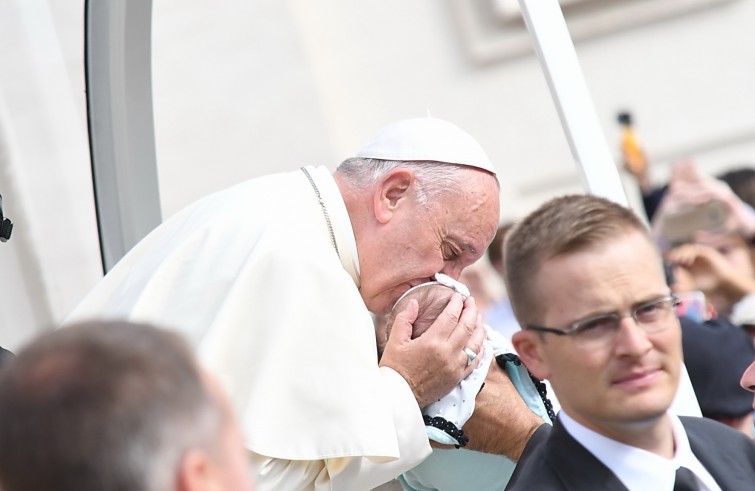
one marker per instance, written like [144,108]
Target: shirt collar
[639,469]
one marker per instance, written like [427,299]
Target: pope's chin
[379,304]
[382,303]
[651,403]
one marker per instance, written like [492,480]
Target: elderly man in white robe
[273,282]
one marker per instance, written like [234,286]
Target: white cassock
[251,277]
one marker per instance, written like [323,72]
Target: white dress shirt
[637,469]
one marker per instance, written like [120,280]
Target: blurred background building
[248,87]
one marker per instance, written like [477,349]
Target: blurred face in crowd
[606,378]
[417,240]
[734,248]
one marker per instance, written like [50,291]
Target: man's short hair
[103,406]
[563,225]
[495,249]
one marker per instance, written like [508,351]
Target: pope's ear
[529,347]
[392,191]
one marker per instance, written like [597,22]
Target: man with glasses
[587,285]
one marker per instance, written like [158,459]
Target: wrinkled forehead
[631,255]
[472,217]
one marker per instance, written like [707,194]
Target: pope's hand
[433,363]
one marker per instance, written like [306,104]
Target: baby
[446,417]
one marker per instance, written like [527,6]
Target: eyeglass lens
[651,317]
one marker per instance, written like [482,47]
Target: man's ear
[194,472]
[391,192]
[529,347]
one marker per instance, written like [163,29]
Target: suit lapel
[712,452]
[575,466]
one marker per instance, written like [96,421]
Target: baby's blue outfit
[468,470]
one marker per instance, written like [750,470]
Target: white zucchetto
[426,139]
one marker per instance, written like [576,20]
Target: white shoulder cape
[251,277]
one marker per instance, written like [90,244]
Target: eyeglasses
[601,330]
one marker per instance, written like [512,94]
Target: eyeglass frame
[581,325]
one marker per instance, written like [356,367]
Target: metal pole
[121,128]
[558,59]
[555,49]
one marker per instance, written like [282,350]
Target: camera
[6,226]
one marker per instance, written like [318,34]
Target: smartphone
[680,226]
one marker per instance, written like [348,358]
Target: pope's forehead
[631,256]
[476,202]
[474,230]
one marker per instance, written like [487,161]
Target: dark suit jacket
[553,460]
[5,355]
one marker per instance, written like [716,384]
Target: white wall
[310,81]
[51,260]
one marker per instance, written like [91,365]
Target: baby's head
[432,297]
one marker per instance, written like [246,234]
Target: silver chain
[324,210]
